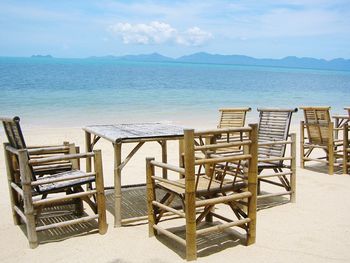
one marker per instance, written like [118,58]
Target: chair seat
[203,184]
[65,184]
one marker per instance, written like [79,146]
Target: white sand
[314,229]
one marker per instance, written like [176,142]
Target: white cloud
[193,36]
[158,33]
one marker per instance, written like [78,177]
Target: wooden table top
[134,132]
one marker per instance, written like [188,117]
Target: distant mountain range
[41,56]
[206,58]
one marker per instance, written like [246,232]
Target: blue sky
[82,28]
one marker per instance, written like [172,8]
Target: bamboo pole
[131,154]
[345,146]
[88,148]
[169,167]
[223,199]
[100,193]
[209,172]
[190,196]
[302,141]
[67,223]
[164,157]
[150,196]
[172,236]
[223,159]
[117,185]
[27,197]
[60,158]
[330,149]
[223,226]
[169,209]
[74,162]
[10,180]
[293,168]
[181,160]
[252,184]
[42,202]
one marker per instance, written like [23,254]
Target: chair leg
[27,198]
[78,202]
[150,197]
[331,160]
[31,232]
[10,178]
[100,195]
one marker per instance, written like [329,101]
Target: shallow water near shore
[76,92]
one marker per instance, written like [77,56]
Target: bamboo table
[138,133]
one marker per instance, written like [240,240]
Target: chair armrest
[61,158]
[11,149]
[48,149]
[168,167]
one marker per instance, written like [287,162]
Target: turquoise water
[84,91]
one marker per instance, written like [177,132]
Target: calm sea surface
[76,92]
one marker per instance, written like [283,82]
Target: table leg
[117,185]
[88,149]
[164,157]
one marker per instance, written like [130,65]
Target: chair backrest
[347,109]
[232,117]
[317,122]
[15,137]
[218,159]
[13,132]
[274,126]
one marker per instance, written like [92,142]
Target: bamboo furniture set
[230,166]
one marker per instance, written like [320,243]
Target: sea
[80,92]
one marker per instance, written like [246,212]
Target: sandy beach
[314,229]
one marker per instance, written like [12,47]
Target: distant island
[41,56]
[206,58]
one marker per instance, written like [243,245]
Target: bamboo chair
[346,149]
[200,187]
[320,133]
[274,137]
[232,117]
[29,189]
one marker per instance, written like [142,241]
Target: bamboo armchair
[34,174]
[201,188]
[320,134]
[274,138]
[232,117]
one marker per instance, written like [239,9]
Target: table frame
[119,164]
